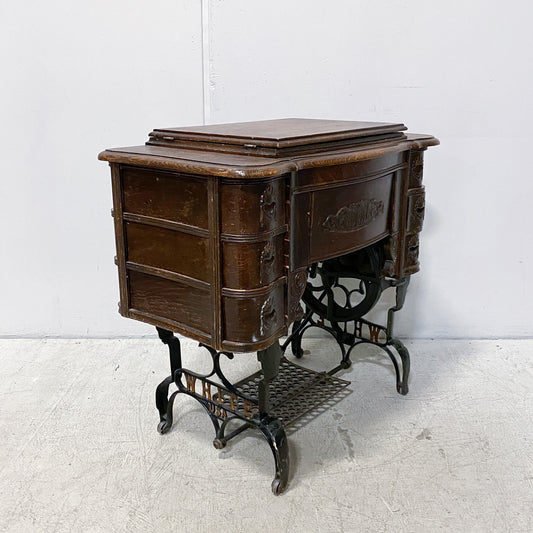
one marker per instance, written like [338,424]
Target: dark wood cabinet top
[283,130]
[273,138]
[267,148]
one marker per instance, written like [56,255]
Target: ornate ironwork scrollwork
[330,306]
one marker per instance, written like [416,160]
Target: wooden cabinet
[217,225]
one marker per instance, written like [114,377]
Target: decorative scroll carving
[355,216]
[267,205]
[417,206]
[416,169]
[267,262]
[297,284]
[411,250]
[391,255]
[268,316]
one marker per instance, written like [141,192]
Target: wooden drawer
[250,318]
[252,207]
[171,300]
[165,195]
[247,265]
[313,177]
[347,218]
[167,249]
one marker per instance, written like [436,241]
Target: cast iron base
[282,392]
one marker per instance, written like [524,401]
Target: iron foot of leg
[274,433]
[402,374]
[164,407]
[296,342]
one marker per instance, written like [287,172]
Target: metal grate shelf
[294,393]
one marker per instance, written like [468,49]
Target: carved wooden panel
[416,169]
[415,210]
[411,254]
[414,214]
[296,286]
[391,255]
[344,219]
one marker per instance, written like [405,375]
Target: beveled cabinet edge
[184,161]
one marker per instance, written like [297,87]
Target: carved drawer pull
[417,207]
[412,249]
[268,316]
[267,262]
[267,205]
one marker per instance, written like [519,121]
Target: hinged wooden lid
[275,138]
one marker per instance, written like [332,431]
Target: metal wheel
[332,300]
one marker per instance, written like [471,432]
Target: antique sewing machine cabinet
[218,229]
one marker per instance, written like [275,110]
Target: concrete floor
[79,449]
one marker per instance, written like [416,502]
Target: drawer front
[171,300]
[313,177]
[167,249]
[344,219]
[252,208]
[165,195]
[251,265]
[249,318]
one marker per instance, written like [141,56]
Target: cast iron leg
[402,379]
[271,427]
[173,343]
[296,342]
[163,403]
[274,433]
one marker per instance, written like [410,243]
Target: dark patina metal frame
[258,401]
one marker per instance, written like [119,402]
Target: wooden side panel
[120,241]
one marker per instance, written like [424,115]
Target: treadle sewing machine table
[218,229]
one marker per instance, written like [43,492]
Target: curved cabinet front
[252,266]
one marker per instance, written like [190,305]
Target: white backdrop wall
[80,78]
